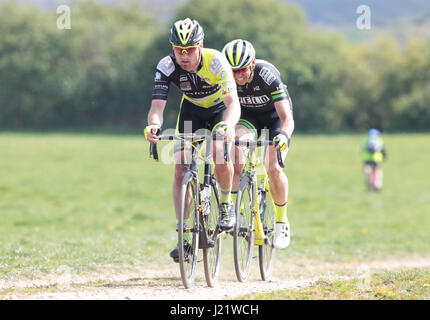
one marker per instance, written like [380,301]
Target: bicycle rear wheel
[243,233]
[266,251]
[188,235]
[212,253]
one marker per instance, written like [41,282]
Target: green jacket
[374,150]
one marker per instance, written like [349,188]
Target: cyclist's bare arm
[233,110]
[285,113]
[155,117]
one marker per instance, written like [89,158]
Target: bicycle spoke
[212,254]
[188,235]
[266,251]
[243,236]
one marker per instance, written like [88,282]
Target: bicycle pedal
[211,243]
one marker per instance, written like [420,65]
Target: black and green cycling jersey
[258,97]
[264,90]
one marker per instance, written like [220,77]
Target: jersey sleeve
[279,92]
[272,78]
[164,70]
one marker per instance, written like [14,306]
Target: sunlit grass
[413,284]
[91,201]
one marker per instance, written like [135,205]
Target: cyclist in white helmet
[373,154]
[265,104]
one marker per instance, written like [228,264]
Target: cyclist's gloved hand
[225,131]
[151,132]
[282,140]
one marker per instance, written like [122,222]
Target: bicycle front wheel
[243,233]
[266,251]
[188,229]
[212,253]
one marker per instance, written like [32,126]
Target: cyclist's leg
[277,178]
[378,176]
[278,182]
[367,169]
[223,170]
[245,130]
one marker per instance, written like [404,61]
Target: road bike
[255,217]
[199,202]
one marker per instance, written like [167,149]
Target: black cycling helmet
[186,33]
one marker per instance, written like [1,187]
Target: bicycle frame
[251,167]
[204,240]
[254,213]
[192,167]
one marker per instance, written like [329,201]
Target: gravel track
[159,284]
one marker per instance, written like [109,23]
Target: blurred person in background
[373,154]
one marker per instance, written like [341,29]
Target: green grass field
[89,201]
[411,284]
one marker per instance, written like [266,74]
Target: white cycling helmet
[374,132]
[239,53]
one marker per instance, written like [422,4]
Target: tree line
[100,71]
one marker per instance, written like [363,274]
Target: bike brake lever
[226,155]
[281,163]
[153,152]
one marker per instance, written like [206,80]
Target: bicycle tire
[188,264]
[212,255]
[244,232]
[266,252]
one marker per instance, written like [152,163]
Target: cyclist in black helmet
[265,104]
[209,101]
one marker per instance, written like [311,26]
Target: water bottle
[205,197]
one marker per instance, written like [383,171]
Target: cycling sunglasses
[187,50]
[241,71]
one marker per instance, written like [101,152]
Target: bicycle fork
[260,237]
[259,234]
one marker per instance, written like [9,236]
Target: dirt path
[159,284]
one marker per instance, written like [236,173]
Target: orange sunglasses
[185,50]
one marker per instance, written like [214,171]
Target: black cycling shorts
[371,163]
[257,121]
[192,118]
